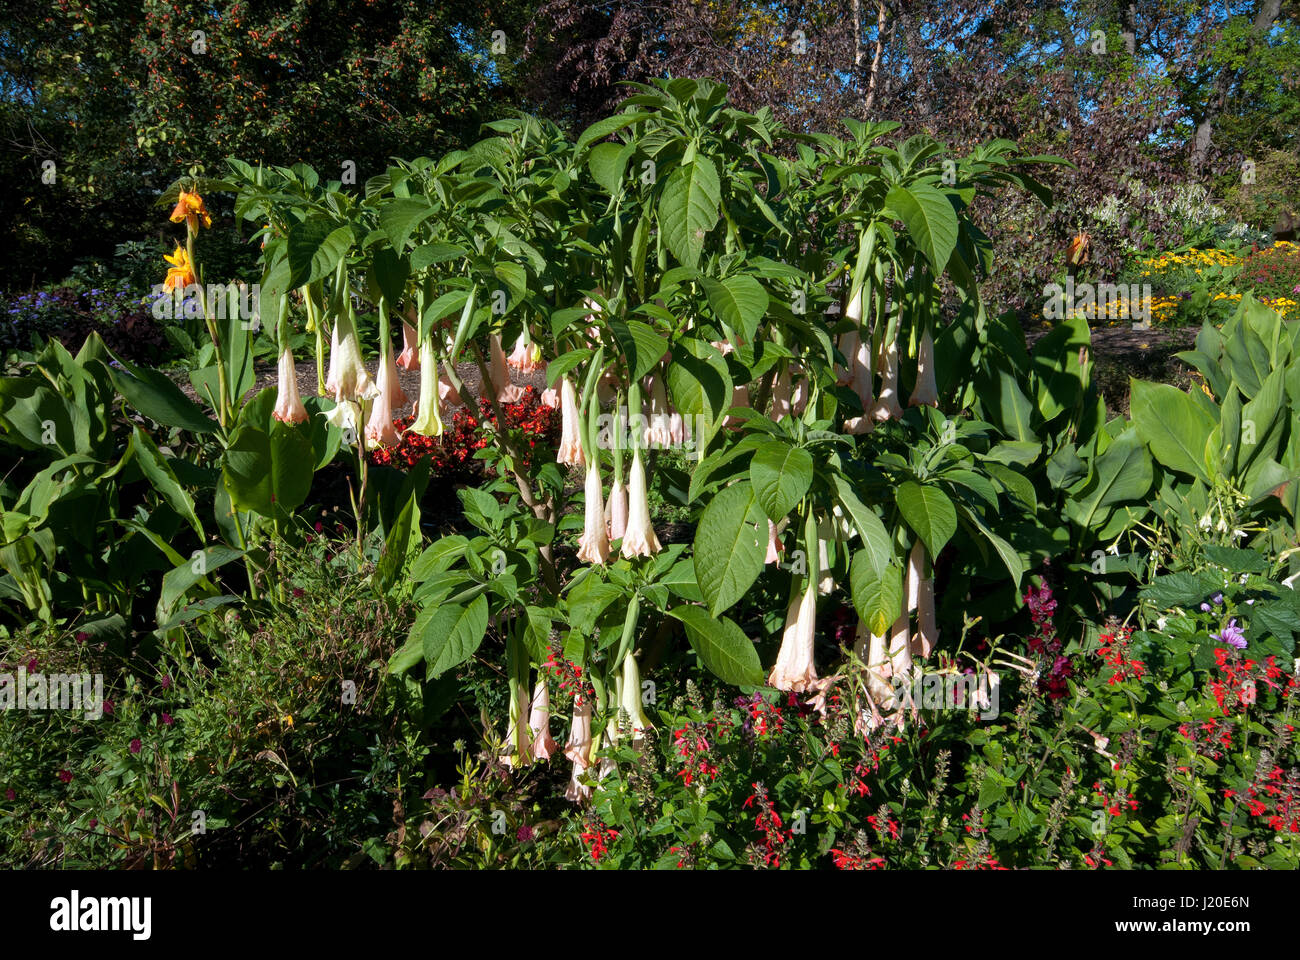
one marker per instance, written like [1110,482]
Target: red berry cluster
[1114,649]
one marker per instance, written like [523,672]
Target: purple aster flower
[1231,635]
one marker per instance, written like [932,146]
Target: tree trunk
[1265,14]
[875,61]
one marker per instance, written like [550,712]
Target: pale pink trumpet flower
[630,698]
[347,378]
[739,398]
[781,396]
[639,538]
[657,432]
[539,721]
[593,547]
[448,395]
[616,509]
[774,545]
[927,628]
[397,397]
[794,668]
[499,374]
[551,398]
[926,392]
[288,405]
[409,359]
[428,416]
[887,406]
[578,749]
[380,429]
[570,452]
[526,357]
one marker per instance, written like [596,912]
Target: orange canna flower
[190,208]
[181,272]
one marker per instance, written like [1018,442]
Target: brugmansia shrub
[778,318]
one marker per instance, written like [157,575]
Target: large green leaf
[1123,473]
[929,512]
[314,248]
[160,474]
[740,302]
[158,398]
[877,591]
[642,347]
[730,546]
[451,633]
[263,470]
[721,646]
[781,475]
[930,219]
[688,209]
[1172,425]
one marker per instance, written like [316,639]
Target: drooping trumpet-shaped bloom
[915,565]
[847,344]
[616,509]
[794,668]
[739,398]
[887,406]
[347,378]
[551,398]
[657,433]
[781,396]
[879,669]
[927,629]
[593,547]
[861,379]
[799,398]
[578,749]
[630,698]
[346,415]
[181,272]
[774,545]
[389,381]
[448,396]
[900,647]
[639,538]
[570,451]
[926,392]
[380,429]
[428,416]
[288,405]
[409,359]
[539,721]
[499,374]
[190,208]
[526,356]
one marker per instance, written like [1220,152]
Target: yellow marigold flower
[181,272]
[190,208]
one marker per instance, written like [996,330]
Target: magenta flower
[135,745]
